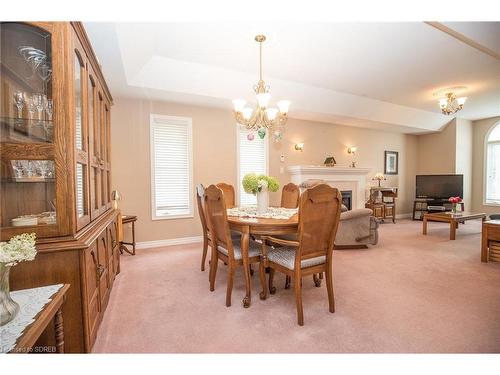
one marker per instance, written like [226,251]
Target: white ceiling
[376,75]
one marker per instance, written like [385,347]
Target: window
[493,166]
[252,157]
[171,167]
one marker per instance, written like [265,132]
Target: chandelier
[262,117]
[451,104]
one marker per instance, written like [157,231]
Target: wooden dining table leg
[245,240]
[59,331]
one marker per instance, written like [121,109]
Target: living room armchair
[357,229]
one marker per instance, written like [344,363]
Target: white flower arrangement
[19,249]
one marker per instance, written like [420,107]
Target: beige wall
[463,156]
[322,140]
[447,152]
[214,149]
[436,151]
[480,130]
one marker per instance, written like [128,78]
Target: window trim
[189,123]
[486,202]
[238,174]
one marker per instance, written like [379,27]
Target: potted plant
[260,185]
[20,248]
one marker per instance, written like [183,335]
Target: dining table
[255,227]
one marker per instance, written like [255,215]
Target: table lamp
[379,177]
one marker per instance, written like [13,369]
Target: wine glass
[43,166]
[49,108]
[18,168]
[38,103]
[19,102]
[31,106]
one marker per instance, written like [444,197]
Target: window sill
[173,217]
[491,204]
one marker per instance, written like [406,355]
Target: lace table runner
[271,213]
[31,302]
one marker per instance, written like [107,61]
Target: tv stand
[421,206]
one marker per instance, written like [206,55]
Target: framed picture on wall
[391,162]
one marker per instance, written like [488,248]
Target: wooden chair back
[319,216]
[200,201]
[229,195]
[215,209]
[290,196]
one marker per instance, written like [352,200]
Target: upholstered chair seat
[254,249]
[285,256]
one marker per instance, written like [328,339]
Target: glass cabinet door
[28,169]
[81,119]
[26,72]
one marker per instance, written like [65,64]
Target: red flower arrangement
[455,200]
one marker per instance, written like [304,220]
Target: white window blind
[171,167]
[252,156]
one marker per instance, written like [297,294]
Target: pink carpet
[410,293]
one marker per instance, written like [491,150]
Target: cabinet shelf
[29,179]
[22,130]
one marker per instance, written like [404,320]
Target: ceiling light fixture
[451,104]
[262,117]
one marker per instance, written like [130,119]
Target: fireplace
[347,198]
[343,178]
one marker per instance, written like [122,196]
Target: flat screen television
[440,186]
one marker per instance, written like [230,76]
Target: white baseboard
[169,242]
[404,216]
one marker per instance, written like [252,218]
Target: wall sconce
[299,146]
[352,150]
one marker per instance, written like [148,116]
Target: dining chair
[224,248]
[289,199]
[229,195]
[207,240]
[290,196]
[319,214]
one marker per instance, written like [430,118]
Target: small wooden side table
[123,248]
[490,241]
[38,308]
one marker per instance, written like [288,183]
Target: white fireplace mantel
[343,178]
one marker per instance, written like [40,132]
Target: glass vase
[262,201]
[8,307]
[454,208]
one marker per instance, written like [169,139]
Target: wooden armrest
[280,241]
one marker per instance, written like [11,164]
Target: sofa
[358,228]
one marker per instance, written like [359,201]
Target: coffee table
[452,219]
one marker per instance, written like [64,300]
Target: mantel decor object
[260,185]
[20,248]
[330,161]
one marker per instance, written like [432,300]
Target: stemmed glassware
[19,102]
[38,103]
[30,104]
[49,108]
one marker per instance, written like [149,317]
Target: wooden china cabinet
[55,169]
